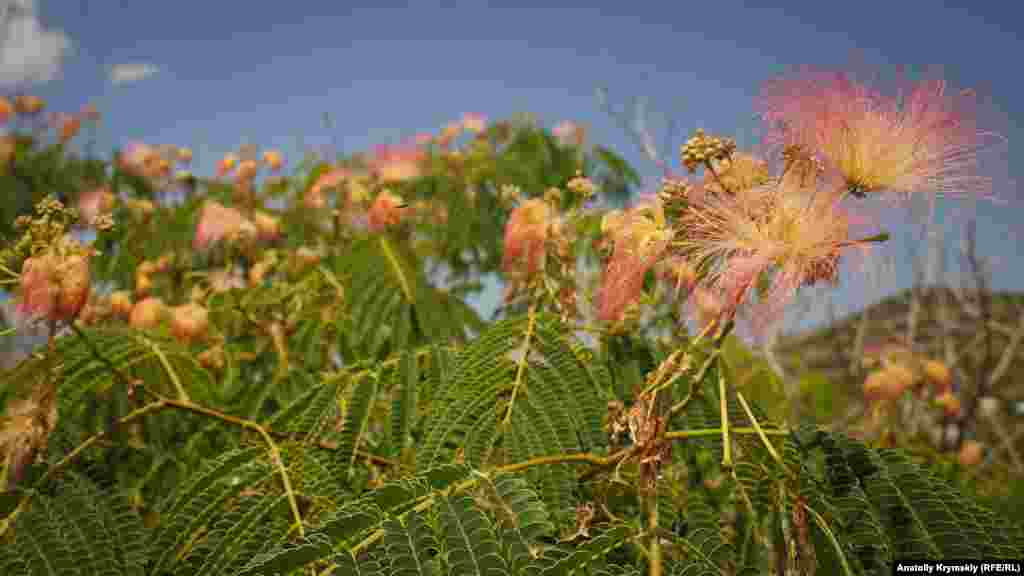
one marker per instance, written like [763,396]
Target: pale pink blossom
[475,123]
[55,285]
[569,133]
[397,163]
[314,197]
[525,235]
[95,202]
[640,238]
[789,237]
[218,222]
[923,139]
[387,210]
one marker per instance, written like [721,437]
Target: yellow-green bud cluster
[701,149]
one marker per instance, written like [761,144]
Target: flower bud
[184,155]
[950,404]
[121,303]
[938,375]
[268,228]
[212,358]
[143,285]
[26,104]
[163,263]
[273,159]
[307,257]
[971,453]
[147,313]
[189,322]
[6,110]
[227,164]
[146,268]
[141,210]
[247,170]
[75,285]
[988,407]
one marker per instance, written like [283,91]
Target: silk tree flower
[218,222]
[475,123]
[449,132]
[640,238]
[274,160]
[737,173]
[268,228]
[397,163]
[94,203]
[706,306]
[526,232]
[6,110]
[314,197]
[67,125]
[227,164]
[138,158]
[569,133]
[923,140]
[797,235]
[55,284]
[387,210]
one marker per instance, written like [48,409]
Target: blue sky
[228,71]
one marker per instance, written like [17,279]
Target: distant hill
[828,349]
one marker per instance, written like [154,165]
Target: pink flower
[137,158]
[475,123]
[217,222]
[640,239]
[525,235]
[923,140]
[569,133]
[55,285]
[397,163]
[794,234]
[387,210]
[95,202]
[449,132]
[314,198]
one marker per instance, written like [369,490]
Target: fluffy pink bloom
[475,123]
[314,198]
[706,306]
[138,158]
[387,210]
[449,132]
[218,222]
[525,235]
[397,163]
[924,139]
[95,202]
[640,239]
[795,235]
[569,133]
[55,285]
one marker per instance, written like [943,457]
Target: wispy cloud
[29,53]
[128,73]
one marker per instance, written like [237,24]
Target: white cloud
[29,53]
[128,73]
